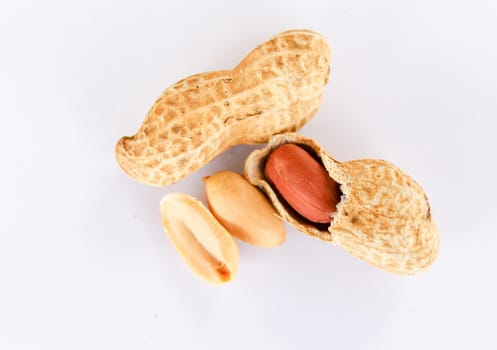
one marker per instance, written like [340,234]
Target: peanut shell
[383,218]
[276,88]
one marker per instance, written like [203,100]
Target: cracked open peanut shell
[383,216]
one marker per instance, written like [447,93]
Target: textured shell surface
[383,218]
[276,88]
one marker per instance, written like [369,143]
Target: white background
[84,261]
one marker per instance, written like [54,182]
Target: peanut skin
[303,183]
[278,87]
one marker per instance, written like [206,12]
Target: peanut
[207,248]
[243,210]
[276,88]
[383,217]
[303,183]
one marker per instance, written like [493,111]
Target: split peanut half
[383,216]
[243,210]
[276,88]
[204,244]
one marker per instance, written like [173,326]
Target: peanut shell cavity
[383,216]
[277,88]
[207,248]
[303,182]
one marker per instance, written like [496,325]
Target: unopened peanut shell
[276,88]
